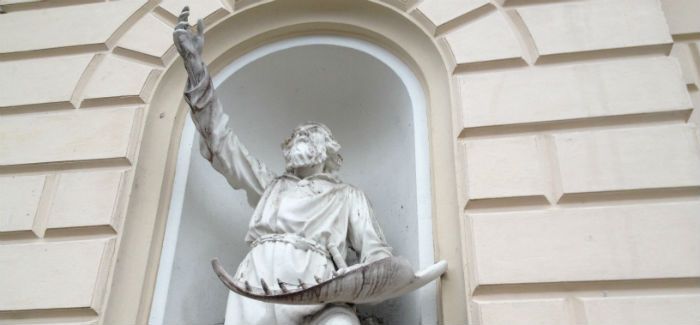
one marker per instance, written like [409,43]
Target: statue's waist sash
[295,240]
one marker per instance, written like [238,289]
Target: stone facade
[577,156]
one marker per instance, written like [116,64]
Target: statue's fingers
[185,12]
[184,16]
[183,42]
[176,39]
[180,34]
[183,25]
[179,37]
[200,27]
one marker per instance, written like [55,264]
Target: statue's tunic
[299,225]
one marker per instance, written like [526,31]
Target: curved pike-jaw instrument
[361,284]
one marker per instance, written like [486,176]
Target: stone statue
[304,223]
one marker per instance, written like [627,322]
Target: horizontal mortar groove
[109,102]
[53,52]
[636,287]
[47,316]
[604,55]
[489,66]
[687,37]
[66,166]
[11,7]
[631,196]
[519,203]
[36,108]
[578,124]
[524,3]
[165,16]
[564,59]
[138,57]
[587,199]
[57,235]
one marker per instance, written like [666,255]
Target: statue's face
[306,146]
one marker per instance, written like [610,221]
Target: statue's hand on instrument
[189,43]
[348,269]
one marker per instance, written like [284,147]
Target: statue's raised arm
[218,143]
[302,226]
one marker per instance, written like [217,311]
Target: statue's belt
[297,241]
[361,283]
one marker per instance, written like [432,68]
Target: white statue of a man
[305,220]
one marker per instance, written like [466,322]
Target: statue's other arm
[364,233]
[218,143]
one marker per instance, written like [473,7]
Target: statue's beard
[303,152]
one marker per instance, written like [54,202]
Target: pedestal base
[334,315]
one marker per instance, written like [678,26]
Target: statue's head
[310,144]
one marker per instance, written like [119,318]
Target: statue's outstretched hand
[188,43]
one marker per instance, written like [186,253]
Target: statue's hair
[333,158]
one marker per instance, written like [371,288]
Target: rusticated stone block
[440,12]
[487,38]
[65,26]
[67,136]
[682,16]
[120,78]
[573,92]
[149,36]
[642,241]
[41,81]
[85,199]
[523,312]
[628,159]
[202,9]
[19,201]
[590,26]
[643,310]
[507,167]
[64,274]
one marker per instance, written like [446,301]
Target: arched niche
[376,108]
[141,244]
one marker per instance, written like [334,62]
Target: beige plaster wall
[578,163]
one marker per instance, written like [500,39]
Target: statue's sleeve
[219,144]
[364,233]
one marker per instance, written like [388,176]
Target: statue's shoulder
[342,186]
[354,190]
